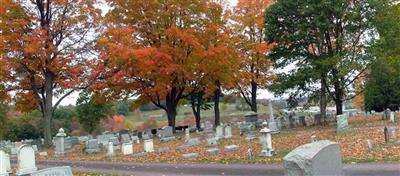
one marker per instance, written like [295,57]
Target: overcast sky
[71,100]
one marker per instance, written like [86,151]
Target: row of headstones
[27,164]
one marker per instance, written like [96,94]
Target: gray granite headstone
[92,146]
[125,138]
[212,142]
[317,158]
[54,171]
[194,141]
[342,123]
[166,134]
[213,151]
[190,155]
[231,148]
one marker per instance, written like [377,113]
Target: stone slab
[190,155]
[317,158]
[231,148]
[213,151]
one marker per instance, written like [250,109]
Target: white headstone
[54,171]
[187,134]
[127,149]
[220,132]
[26,160]
[4,163]
[148,145]
[392,117]
[228,132]
[266,140]
[110,149]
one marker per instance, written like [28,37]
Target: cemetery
[199,87]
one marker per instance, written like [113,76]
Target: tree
[91,109]
[248,30]
[3,119]
[154,49]
[325,40]
[383,76]
[65,114]
[44,46]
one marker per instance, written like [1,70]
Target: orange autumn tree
[248,27]
[44,48]
[151,49]
[219,62]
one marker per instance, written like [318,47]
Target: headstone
[187,134]
[115,142]
[342,123]
[194,141]
[231,148]
[83,139]
[148,145]
[127,148]
[213,151]
[92,146]
[183,147]
[125,138]
[212,142]
[392,117]
[272,124]
[251,117]
[60,150]
[141,154]
[166,134]
[317,158]
[220,132]
[110,149]
[313,138]
[54,171]
[4,163]
[386,134]
[228,132]
[190,155]
[26,160]
[104,139]
[161,149]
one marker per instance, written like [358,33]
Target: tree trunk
[338,97]
[254,96]
[196,108]
[171,101]
[48,108]
[322,101]
[339,106]
[217,95]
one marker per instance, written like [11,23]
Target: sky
[71,100]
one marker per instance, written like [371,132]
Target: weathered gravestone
[190,155]
[342,123]
[110,149]
[26,160]
[166,134]
[54,171]
[393,117]
[231,148]
[213,151]
[60,145]
[104,139]
[127,148]
[148,145]
[251,117]
[92,146]
[115,142]
[317,158]
[4,163]
[193,141]
[220,132]
[228,132]
[125,138]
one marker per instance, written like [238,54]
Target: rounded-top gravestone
[26,160]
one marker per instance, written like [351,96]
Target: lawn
[353,146]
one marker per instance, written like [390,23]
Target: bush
[150,123]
